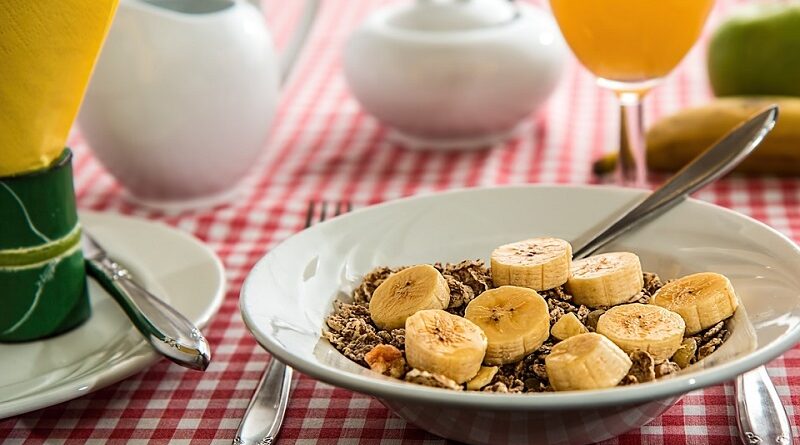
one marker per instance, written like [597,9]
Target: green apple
[757,52]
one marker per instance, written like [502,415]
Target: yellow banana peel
[677,139]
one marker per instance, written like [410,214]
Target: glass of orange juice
[630,45]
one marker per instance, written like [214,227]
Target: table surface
[323,147]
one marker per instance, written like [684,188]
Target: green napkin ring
[42,275]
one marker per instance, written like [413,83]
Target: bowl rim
[388,388]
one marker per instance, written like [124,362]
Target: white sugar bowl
[454,74]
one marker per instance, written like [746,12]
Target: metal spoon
[761,417]
[712,164]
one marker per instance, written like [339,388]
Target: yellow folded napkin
[47,51]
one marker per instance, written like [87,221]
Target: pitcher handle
[298,39]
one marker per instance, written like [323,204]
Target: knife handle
[169,332]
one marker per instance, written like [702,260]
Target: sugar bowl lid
[453,15]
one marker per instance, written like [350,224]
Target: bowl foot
[422,143]
[176,205]
[546,427]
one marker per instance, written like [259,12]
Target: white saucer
[107,348]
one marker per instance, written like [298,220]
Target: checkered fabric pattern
[323,147]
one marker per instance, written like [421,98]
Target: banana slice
[586,361]
[405,292]
[483,378]
[607,279]
[568,326]
[537,263]
[643,327]
[442,343]
[702,299]
[515,320]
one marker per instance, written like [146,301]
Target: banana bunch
[675,140]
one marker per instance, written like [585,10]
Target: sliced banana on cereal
[586,361]
[568,326]
[537,263]
[515,319]
[405,292]
[643,327]
[702,299]
[442,343]
[483,378]
[607,279]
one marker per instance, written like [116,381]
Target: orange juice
[630,40]
[47,51]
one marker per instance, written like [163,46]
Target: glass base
[638,88]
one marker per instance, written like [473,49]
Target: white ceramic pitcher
[183,95]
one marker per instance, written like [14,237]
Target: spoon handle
[760,415]
[169,332]
[715,162]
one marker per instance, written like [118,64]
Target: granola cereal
[386,360]
[371,281]
[666,368]
[652,283]
[709,340]
[593,318]
[467,280]
[429,379]
[352,332]
[643,369]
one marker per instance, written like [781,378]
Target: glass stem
[631,164]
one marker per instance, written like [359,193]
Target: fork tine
[310,214]
[340,208]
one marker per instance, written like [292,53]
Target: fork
[264,416]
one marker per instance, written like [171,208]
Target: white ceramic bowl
[461,88]
[288,294]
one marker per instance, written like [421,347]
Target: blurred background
[330,137]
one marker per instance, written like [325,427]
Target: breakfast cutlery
[264,415]
[761,417]
[169,332]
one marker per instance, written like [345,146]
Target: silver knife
[169,332]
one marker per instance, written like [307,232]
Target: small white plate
[107,348]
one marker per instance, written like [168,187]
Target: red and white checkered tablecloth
[324,147]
